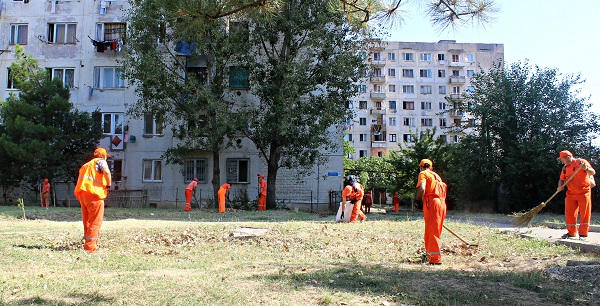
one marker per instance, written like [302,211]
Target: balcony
[377,95]
[456,112]
[378,62]
[378,111]
[377,78]
[455,96]
[457,64]
[457,80]
[378,144]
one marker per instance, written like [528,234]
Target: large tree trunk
[273,166]
[216,177]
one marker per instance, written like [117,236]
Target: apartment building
[80,42]
[406,92]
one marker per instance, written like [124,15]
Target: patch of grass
[168,257]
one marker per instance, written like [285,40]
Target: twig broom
[524,218]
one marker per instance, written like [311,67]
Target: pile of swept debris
[577,271]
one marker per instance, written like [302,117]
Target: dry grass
[166,257]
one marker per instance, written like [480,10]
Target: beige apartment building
[406,92]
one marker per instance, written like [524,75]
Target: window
[152,170]
[377,88]
[455,72]
[408,57]
[442,90]
[362,104]
[392,88]
[455,58]
[425,57]
[426,122]
[195,168]
[426,105]
[116,169]
[349,137]
[362,137]
[112,123]
[10,84]
[362,121]
[392,72]
[238,78]
[407,73]
[152,126]
[378,105]
[441,73]
[377,56]
[393,138]
[392,121]
[377,72]
[111,31]
[408,88]
[442,105]
[362,153]
[392,104]
[425,73]
[18,34]
[108,78]
[410,105]
[66,75]
[237,170]
[62,33]
[426,89]
[456,90]
[456,138]
[441,57]
[409,121]
[442,122]
[408,138]
[391,56]
[469,58]
[470,73]
[362,88]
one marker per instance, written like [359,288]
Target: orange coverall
[221,193]
[189,190]
[368,200]
[262,198]
[434,213]
[578,199]
[45,193]
[355,197]
[396,201]
[91,190]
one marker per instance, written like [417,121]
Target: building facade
[81,42]
[406,92]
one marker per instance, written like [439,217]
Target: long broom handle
[455,235]
[565,184]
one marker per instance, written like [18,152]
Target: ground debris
[576,274]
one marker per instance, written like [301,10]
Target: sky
[550,34]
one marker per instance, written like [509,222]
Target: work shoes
[582,238]
[435,263]
[567,236]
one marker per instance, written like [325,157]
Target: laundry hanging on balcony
[102,46]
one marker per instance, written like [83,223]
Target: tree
[521,117]
[42,135]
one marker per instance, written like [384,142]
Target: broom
[524,218]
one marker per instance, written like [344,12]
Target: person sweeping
[189,191]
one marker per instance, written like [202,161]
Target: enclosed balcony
[377,95]
[457,79]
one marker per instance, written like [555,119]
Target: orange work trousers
[262,202]
[188,200]
[578,204]
[92,213]
[221,202]
[434,213]
[357,212]
[45,200]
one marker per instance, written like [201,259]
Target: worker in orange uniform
[396,201]
[91,190]
[434,209]
[45,193]
[222,193]
[262,192]
[368,201]
[189,191]
[354,192]
[579,194]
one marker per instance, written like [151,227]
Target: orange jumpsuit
[45,193]
[368,200]
[396,201]
[434,213]
[355,195]
[221,193]
[189,190]
[578,199]
[262,198]
[91,190]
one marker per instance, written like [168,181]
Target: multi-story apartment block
[406,92]
[80,42]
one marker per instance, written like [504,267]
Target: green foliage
[374,172]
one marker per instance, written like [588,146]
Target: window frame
[195,168]
[234,172]
[52,71]
[426,122]
[101,31]
[405,105]
[117,123]
[408,89]
[152,125]
[155,170]
[425,57]
[408,57]
[100,77]
[393,138]
[14,34]
[425,73]
[53,35]
[426,89]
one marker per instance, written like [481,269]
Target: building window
[108,78]
[362,88]
[442,105]
[116,169]
[237,170]
[408,89]
[378,105]
[425,73]
[441,57]
[18,34]
[392,121]
[10,84]
[442,122]
[362,137]
[426,105]
[392,104]
[62,33]
[455,72]
[377,72]
[442,90]
[152,125]
[362,104]
[238,78]
[425,57]
[111,31]
[407,73]
[392,72]
[469,58]
[425,89]
[392,88]
[456,90]
[152,170]
[441,73]
[409,105]
[112,123]
[377,56]
[66,75]
[391,56]
[377,88]
[426,122]
[408,138]
[349,137]
[195,168]
[409,121]
[408,57]
[470,73]
[393,138]
[362,121]
[455,58]
[362,153]
[456,138]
